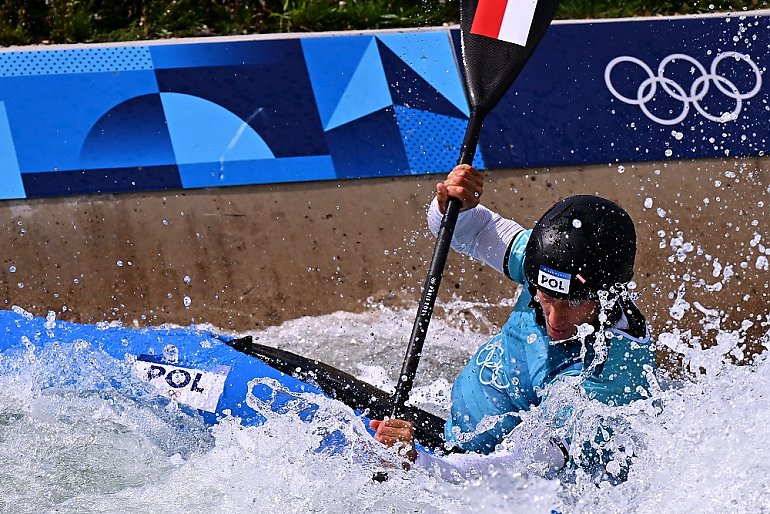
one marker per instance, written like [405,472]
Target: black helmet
[583,244]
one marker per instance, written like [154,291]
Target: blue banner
[226,112]
[108,119]
[657,89]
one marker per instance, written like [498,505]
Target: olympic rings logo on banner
[698,89]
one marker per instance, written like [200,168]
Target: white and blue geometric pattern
[235,111]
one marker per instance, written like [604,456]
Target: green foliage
[325,15]
[80,21]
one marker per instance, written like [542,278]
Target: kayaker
[574,317]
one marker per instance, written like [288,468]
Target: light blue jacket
[504,374]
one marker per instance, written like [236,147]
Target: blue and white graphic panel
[243,111]
[228,112]
[636,90]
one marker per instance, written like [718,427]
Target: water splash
[79,434]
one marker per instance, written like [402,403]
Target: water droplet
[187,301]
[12,269]
[171,353]
[50,320]
[584,330]
[577,223]
[647,203]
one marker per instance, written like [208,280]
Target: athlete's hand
[464,183]
[396,432]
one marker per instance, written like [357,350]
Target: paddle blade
[491,58]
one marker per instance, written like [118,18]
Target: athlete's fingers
[462,192]
[397,423]
[468,174]
[396,433]
[391,441]
[468,197]
[471,187]
[464,183]
[391,431]
[441,196]
[401,432]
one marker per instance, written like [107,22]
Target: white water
[78,435]
[81,445]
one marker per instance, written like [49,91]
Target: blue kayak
[211,373]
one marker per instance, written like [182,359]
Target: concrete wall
[258,255]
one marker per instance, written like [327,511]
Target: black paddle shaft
[490,67]
[432,282]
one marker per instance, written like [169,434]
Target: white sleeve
[459,467]
[479,233]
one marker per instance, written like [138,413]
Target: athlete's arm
[479,233]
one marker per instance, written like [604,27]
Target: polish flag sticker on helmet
[554,280]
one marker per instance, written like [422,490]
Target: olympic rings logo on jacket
[490,360]
[698,89]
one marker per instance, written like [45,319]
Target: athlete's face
[562,317]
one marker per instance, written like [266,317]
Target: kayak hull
[216,375]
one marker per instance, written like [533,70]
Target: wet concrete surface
[248,257]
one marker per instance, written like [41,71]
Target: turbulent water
[77,434]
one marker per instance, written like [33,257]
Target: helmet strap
[535,306]
[615,311]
